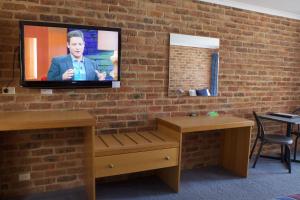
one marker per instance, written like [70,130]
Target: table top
[204,123]
[295,120]
[10,121]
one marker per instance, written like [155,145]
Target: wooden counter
[204,123]
[30,120]
[236,134]
[12,121]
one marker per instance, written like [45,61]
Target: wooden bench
[117,154]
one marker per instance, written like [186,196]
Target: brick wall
[259,70]
[53,158]
[189,68]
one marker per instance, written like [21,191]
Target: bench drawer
[134,162]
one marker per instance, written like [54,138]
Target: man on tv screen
[74,66]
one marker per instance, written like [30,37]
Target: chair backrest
[260,127]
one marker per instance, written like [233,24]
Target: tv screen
[66,56]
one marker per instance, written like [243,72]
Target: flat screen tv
[57,55]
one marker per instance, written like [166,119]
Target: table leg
[89,176]
[235,150]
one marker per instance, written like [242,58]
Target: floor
[270,179]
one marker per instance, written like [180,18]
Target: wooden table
[236,137]
[288,121]
[29,120]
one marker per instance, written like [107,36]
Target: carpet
[290,197]
[268,181]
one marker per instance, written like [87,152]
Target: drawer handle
[167,158]
[111,165]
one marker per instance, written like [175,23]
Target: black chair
[283,140]
[297,133]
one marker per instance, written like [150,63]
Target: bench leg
[171,176]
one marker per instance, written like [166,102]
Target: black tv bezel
[65,84]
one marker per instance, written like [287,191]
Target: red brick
[45,181]
[75,20]
[38,9]
[13,6]
[7,98]
[66,178]
[42,152]
[55,173]
[66,164]
[43,167]
[26,16]
[51,18]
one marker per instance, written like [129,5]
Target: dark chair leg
[288,157]
[295,149]
[258,154]
[252,150]
[281,153]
